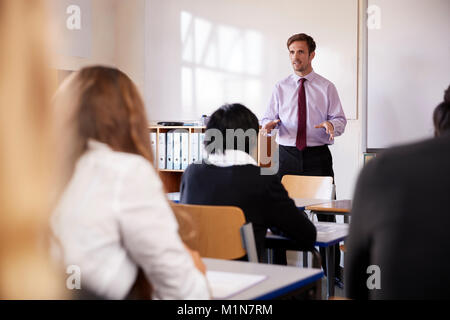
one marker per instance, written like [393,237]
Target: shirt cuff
[337,126]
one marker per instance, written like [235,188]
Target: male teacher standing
[306,109]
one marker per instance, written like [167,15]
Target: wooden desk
[328,234]
[338,206]
[280,281]
[332,207]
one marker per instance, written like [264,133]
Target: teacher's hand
[329,128]
[269,126]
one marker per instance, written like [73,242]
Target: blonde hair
[26,164]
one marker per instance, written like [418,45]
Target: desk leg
[269,256]
[346,218]
[329,253]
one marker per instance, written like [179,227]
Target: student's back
[401,223]
[113,218]
[262,198]
[232,178]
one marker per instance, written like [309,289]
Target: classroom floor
[338,292]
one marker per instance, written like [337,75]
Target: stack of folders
[174,147]
[153,145]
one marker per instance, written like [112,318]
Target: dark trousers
[312,161]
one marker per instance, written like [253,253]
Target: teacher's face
[300,57]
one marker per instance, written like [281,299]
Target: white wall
[136,35]
[204,53]
[118,39]
[186,78]
[130,40]
[347,159]
[409,68]
[103,39]
[348,149]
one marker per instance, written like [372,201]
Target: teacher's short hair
[303,37]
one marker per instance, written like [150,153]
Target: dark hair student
[236,123]
[230,176]
[386,211]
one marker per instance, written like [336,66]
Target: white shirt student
[114,217]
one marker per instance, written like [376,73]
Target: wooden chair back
[309,187]
[218,231]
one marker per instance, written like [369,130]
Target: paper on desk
[227,284]
[324,229]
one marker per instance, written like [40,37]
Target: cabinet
[172,178]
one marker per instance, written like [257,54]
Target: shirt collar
[231,158]
[93,144]
[310,76]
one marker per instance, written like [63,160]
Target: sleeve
[335,112]
[285,216]
[272,110]
[357,258]
[150,235]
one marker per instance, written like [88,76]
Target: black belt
[325,146]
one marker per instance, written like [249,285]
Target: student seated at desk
[113,218]
[230,176]
[400,221]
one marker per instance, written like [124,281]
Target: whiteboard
[201,54]
[408,69]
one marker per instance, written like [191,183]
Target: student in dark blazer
[399,245]
[230,176]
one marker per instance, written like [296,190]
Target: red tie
[301,130]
